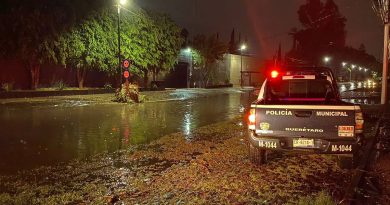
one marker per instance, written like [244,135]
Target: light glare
[122,2]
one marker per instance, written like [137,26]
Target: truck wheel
[348,162]
[345,162]
[256,155]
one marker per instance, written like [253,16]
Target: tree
[82,35]
[323,30]
[30,30]
[152,41]
[169,42]
[233,48]
[208,50]
[90,45]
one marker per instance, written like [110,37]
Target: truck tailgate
[322,121]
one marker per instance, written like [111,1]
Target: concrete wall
[228,70]
[252,70]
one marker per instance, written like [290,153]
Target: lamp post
[242,49]
[120,3]
[344,64]
[350,74]
[189,71]
[353,68]
[326,61]
[381,8]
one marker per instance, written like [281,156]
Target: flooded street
[186,149]
[47,133]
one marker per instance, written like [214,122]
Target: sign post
[126,73]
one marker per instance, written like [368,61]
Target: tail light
[252,119]
[359,121]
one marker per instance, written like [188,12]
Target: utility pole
[384,96]
[242,49]
[381,8]
[119,43]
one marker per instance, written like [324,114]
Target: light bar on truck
[290,77]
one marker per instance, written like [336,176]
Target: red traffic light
[126,63]
[126,74]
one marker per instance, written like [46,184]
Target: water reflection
[45,134]
[365,101]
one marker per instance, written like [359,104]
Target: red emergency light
[274,74]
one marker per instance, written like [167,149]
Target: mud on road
[208,167]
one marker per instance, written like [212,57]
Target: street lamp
[327,59]
[120,3]
[350,74]
[242,49]
[189,71]
[349,69]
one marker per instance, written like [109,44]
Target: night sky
[267,22]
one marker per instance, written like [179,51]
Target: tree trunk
[34,71]
[154,73]
[81,73]
[204,76]
[146,78]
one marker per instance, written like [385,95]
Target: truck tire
[345,162]
[257,156]
[348,162]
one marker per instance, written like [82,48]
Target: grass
[211,168]
[321,198]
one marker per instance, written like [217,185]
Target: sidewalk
[48,93]
[150,96]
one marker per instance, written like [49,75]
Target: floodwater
[37,134]
[33,135]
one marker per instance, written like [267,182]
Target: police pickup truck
[300,109]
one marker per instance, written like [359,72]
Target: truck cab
[300,109]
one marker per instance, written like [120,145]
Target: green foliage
[207,50]
[28,33]
[127,95]
[151,40]
[322,198]
[7,86]
[84,37]
[323,30]
[107,86]
[88,45]
[169,40]
[59,85]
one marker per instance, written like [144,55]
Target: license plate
[268,144]
[302,142]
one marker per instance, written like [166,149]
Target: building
[237,70]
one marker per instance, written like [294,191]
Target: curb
[33,94]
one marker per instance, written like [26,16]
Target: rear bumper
[321,146]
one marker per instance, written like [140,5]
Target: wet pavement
[131,156]
[51,132]
[48,132]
